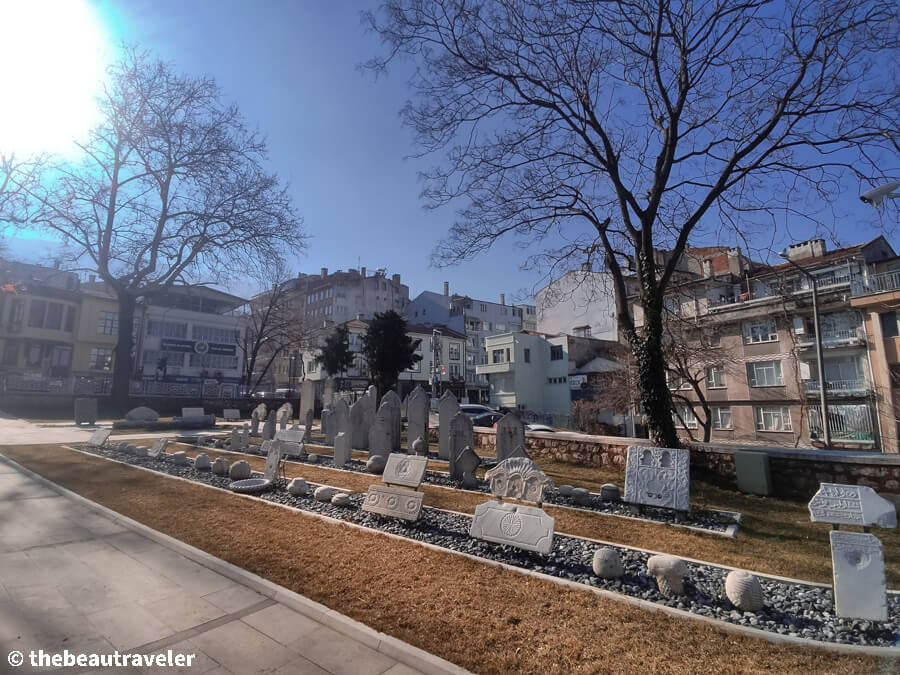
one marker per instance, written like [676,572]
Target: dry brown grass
[483,618]
[776,536]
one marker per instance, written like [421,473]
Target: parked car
[261,394]
[285,393]
[487,419]
[539,427]
[475,409]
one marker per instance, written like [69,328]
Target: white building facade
[580,303]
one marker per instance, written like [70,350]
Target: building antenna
[358,261]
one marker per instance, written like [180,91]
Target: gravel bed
[705,519]
[794,609]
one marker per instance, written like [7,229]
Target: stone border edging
[388,645]
[768,636]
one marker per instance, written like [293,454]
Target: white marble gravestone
[158,447]
[325,426]
[273,458]
[461,436]
[406,470]
[851,505]
[393,501]
[393,403]
[417,404]
[307,398]
[380,435]
[525,527]
[268,432]
[235,440]
[193,412]
[510,435]
[519,478]
[342,450]
[859,583]
[291,435]
[328,392]
[658,477]
[447,408]
[99,437]
[359,426]
[231,415]
[339,422]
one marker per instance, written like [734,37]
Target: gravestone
[158,447]
[266,447]
[371,409]
[467,462]
[417,404]
[448,407]
[510,435]
[751,471]
[231,414]
[339,421]
[658,477]
[328,392]
[324,426]
[342,450]
[359,428]
[285,412]
[254,422]
[235,440]
[403,469]
[307,398]
[851,505]
[461,436]
[291,435]
[380,436]
[261,411]
[245,437]
[99,437]
[273,459]
[395,419]
[519,452]
[519,478]
[404,406]
[857,561]
[392,501]
[192,412]
[142,414]
[85,411]
[525,527]
[309,423]
[268,432]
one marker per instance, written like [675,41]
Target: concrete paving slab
[281,624]
[243,649]
[348,659]
[234,598]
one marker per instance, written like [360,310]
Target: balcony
[884,282]
[826,282]
[848,337]
[837,387]
[490,368]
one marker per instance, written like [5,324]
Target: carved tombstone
[519,478]
[394,501]
[231,415]
[328,392]
[309,423]
[371,407]
[447,408]
[285,412]
[467,462]
[393,402]
[235,444]
[405,470]
[358,424]
[461,436]
[658,477]
[525,527]
[307,398]
[291,435]
[325,426]
[519,452]
[510,435]
[859,582]
[99,437]
[268,432]
[158,447]
[245,437]
[273,459]
[339,420]
[417,405]
[342,449]
[255,418]
[851,505]
[380,435]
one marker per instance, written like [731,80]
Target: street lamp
[820,363]
[876,196]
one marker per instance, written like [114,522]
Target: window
[526,354]
[760,331]
[501,326]
[152,359]
[16,311]
[70,319]
[684,417]
[556,352]
[582,331]
[454,351]
[101,359]
[483,307]
[765,374]
[10,354]
[166,329]
[454,370]
[33,357]
[217,334]
[715,377]
[773,418]
[214,361]
[108,323]
[889,324]
[721,418]
[497,356]
[54,316]
[710,338]
[672,305]
[676,381]
[36,313]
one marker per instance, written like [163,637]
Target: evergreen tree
[388,349]
[335,355]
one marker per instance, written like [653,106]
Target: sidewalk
[73,579]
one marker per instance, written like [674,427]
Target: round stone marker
[324,493]
[607,563]
[180,458]
[376,464]
[565,490]
[744,591]
[202,463]
[298,487]
[240,470]
[609,492]
[581,497]
[341,499]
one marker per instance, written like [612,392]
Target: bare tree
[171,189]
[273,328]
[613,128]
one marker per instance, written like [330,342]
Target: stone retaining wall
[796,474]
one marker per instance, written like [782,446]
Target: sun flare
[53,55]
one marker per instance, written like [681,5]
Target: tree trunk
[656,399]
[122,356]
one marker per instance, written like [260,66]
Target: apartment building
[477,320]
[753,325]
[581,303]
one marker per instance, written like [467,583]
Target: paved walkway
[73,579]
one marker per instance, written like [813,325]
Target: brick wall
[796,474]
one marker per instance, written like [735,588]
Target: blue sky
[335,134]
